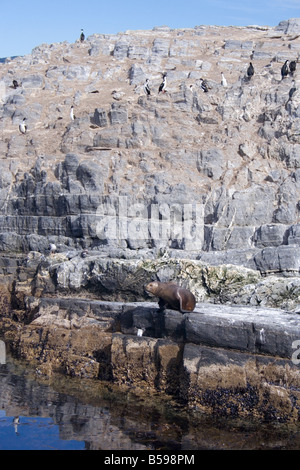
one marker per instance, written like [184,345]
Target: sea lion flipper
[187,304]
[179,297]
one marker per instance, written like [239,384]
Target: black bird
[82,36]
[292,91]
[250,71]
[162,86]
[15,84]
[284,70]
[293,66]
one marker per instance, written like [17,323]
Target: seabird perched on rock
[147,87]
[291,93]
[84,254]
[162,86]
[15,84]
[250,71]
[23,127]
[52,248]
[223,80]
[72,115]
[117,95]
[293,66]
[292,90]
[16,421]
[284,70]
[203,85]
[82,36]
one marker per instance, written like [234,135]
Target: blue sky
[26,24]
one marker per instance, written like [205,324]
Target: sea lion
[172,296]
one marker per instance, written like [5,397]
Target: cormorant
[250,71]
[284,70]
[162,86]
[293,66]
[23,127]
[223,80]
[204,85]
[72,115]
[147,87]
[292,90]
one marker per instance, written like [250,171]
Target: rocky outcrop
[229,361]
[193,186]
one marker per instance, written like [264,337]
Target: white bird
[23,127]
[52,248]
[72,115]
[140,332]
[223,80]
[16,421]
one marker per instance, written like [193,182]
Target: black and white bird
[84,253]
[82,36]
[162,86]
[203,85]
[250,71]
[223,80]
[15,84]
[284,70]
[23,127]
[72,115]
[147,87]
[293,65]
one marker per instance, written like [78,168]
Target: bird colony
[208,115]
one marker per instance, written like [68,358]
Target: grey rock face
[100,117]
[232,151]
[291,26]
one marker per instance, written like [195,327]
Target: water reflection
[83,414]
[2,352]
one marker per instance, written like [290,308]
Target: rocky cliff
[233,150]
[198,183]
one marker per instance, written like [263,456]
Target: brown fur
[172,296]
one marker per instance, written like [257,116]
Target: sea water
[61,413]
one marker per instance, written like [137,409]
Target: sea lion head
[152,287]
